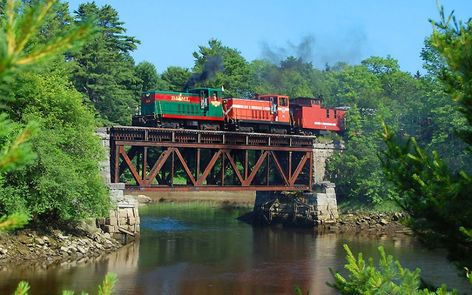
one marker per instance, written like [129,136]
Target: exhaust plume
[213,65]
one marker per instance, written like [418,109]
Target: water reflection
[188,250]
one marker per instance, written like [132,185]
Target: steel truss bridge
[158,159]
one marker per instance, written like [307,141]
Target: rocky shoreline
[369,223]
[32,248]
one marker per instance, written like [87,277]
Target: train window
[327,113]
[335,114]
[283,101]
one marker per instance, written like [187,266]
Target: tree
[217,65]
[174,78]
[389,277]
[104,70]
[357,171]
[66,127]
[438,199]
[147,73]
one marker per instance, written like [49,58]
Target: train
[207,109]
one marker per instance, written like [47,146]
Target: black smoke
[303,51]
[321,50]
[213,65]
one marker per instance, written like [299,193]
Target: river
[197,249]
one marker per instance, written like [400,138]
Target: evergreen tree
[174,78]
[438,199]
[105,70]
[147,73]
[222,66]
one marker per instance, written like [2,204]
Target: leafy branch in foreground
[20,26]
[106,288]
[389,277]
[439,200]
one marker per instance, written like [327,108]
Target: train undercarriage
[242,126]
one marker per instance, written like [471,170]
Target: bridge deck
[181,160]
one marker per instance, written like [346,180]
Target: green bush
[389,277]
[64,179]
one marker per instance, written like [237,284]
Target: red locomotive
[204,108]
[264,113]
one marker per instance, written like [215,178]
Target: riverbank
[47,247]
[369,223]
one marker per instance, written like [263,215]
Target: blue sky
[338,30]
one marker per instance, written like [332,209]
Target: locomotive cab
[279,106]
[207,96]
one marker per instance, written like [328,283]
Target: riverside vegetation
[17,152]
[437,197]
[63,74]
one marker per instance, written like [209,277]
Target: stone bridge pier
[123,220]
[323,197]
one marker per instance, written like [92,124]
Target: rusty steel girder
[184,160]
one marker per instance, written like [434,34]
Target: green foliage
[104,70]
[147,73]
[299,291]
[453,41]
[64,181]
[174,78]
[12,222]
[106,288]
[292,77]
[357,171]
[438,200]
[388,277]
[15,149]
[21,23]
[54,131]
[437,197]
[22,289]
[234,75]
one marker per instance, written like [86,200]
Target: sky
[323,32]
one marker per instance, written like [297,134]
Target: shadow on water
[189,249]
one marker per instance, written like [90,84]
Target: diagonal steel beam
[131,154]
[209,167]
[279,167]
[299,168]
[185,166]
[158,165]
[235,167]
[131,167]
[255,169]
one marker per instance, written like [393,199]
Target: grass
[351,206]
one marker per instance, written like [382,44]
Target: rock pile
[32,248]
[371,223]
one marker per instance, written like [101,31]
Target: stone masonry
[123,220]
[324,198]
[326,206]
[322,151]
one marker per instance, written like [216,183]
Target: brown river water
[196,249]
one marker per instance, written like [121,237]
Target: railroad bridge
[158,159]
